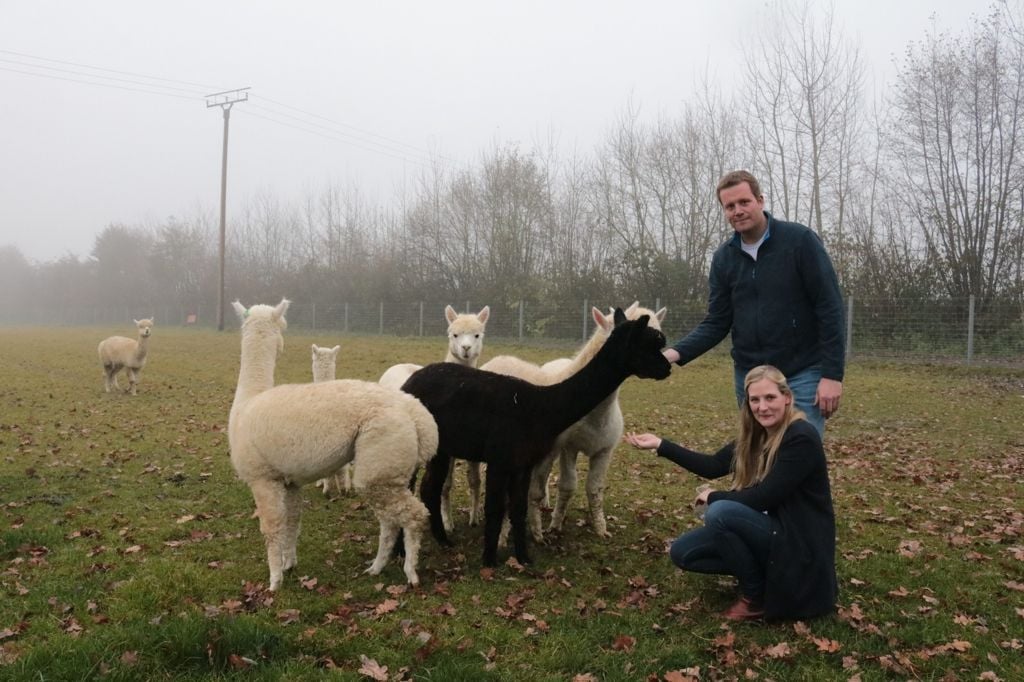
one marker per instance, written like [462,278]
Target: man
[773,285]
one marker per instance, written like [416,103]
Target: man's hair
[733,178]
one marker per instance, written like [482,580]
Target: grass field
[128,551]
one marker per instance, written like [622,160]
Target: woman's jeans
[803,384]
[734,540]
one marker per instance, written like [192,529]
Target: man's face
[744,211]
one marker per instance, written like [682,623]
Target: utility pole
[225,100]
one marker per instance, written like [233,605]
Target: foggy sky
[354,93]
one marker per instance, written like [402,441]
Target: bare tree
[956,143]
[804,83]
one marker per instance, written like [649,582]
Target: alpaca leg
[566,487]
[446,498]
[270,505]
[106,379]
[496,490]
[413,517]
[388,535]
[430,493]
[293,510]
[133,380]
[538,493]
[595,491]
[345,481]
[518,493]
[476,506]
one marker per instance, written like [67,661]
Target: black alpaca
[511,424]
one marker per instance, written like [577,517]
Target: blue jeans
[734,540]
[804,385]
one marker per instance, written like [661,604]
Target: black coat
[801,575]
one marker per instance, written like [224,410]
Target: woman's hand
[702,494]
[642,441]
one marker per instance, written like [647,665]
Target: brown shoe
[744,609]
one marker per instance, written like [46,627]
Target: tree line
[918,193]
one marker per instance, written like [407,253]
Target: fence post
[970,329]
[467,305]
[521,320]
[584,320]
[380,319]
[346,317]
[849,327]
[421,318]
[314,315]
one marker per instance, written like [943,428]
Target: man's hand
[827,397]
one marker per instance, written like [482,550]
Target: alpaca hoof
[275,583]
[603,534]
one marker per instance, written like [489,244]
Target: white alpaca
[120,352]
[282,437]
[325,363]
[596,435]
[465,343]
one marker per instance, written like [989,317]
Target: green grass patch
[128,549]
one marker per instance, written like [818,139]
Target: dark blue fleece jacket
[784,309]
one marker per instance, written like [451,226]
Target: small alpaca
[465,343]
[512,424]
[596,435]
[325,362]
[120,352]
[282,437]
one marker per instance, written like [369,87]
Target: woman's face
[767,403]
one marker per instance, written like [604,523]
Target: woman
[774,529]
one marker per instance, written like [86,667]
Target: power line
[205,87]
[347,138]
[102,85]
[360,138]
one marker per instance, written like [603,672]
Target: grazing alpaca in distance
[465,343]
[596,435]
[282,437]
[120,352]
[325,363]
[512,424]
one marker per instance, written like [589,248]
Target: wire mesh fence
[955,330]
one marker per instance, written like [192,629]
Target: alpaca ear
[334,351]
[661,314]
[600,319]
[619,316]
[632,308]
[135,322]
[315,348]
[239,310]
[450,314]
[281,308]
[484,314]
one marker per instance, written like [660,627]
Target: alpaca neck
[578,395]
[141,348]
[259,356]
[584,355]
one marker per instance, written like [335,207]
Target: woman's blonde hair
[755,447]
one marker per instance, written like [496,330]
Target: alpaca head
[324,363]
[605,323]
[145,327]
[466,333]
[264,320]
[638,344]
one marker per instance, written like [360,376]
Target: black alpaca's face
[645,344]
[651,364]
